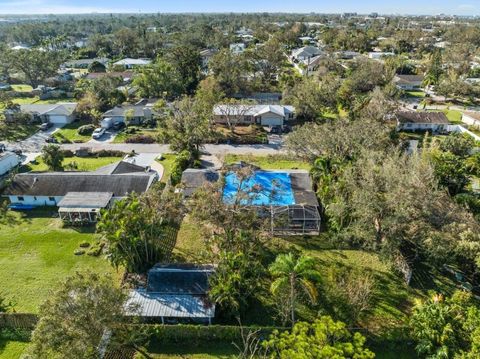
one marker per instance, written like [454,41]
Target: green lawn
[22,88]
[454,116]
[167,163]
[17,132]
[25,100]
[270,162]
[36,253]
[82,163]
[69,133]
[121,137]
[418,94]
[12,349]
[190,246]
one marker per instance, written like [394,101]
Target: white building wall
[36,200]
[470,120]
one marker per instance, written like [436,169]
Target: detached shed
[175,293]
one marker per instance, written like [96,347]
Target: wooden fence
[18,320]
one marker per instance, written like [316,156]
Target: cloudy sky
[458,7]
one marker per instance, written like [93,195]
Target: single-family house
[265,115]
[126,76]
[471,118]
[378,55]
[8,161]
[286,197]
[131,114]
[80,196]
[421,121]
[408,82]
[347,55]
[237,48]
[84,63]
[305,53]
[175,293]
[205,56]
[132,63]
[60,113]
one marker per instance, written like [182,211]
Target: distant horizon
[387,8]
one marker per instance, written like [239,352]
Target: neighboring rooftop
[422,117]
[105,179]
[132,62]
[252,110]
[65,109]
[408,79]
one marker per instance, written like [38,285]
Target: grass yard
[270,162]
[79,163]
[242,134]
[36,253]
[167,163]
[417,94]
[122,136]
[190,246]
[454,116]
[22,88]
[70,134]
[17,132]
[25,100]
[12,349]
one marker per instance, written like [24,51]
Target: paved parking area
[35,142]
[107,137]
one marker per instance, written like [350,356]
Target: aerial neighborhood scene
[220,180]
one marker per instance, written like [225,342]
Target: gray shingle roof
[86,200]
[120,179]
[50,109]
[422,117]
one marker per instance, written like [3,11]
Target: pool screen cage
[295,219]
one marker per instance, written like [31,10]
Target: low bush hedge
[140,139]
[200,334]
[86,130]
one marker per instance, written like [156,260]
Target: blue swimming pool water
[265,189]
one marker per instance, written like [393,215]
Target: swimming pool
[263,189]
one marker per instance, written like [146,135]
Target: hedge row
[197,334]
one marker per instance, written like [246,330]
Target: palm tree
[292,276]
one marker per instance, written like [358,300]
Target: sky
[453,7]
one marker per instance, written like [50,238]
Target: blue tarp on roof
[263,189]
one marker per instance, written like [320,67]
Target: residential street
[159,148]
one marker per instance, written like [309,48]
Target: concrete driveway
[107,137]
[34,143]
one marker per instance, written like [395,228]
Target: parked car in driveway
[45,126]
[51,139]
[99,132]
[117,126]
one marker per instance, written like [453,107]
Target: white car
[99,132]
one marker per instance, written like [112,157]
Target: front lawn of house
[270,162]
[12,349]
[133,131]
[73,163]
[37,253]
[454,116]
[17,132]
[253,134]
[69,133]
[416,94]
[167,163]
[22,88]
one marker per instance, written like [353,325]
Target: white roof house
[237,48]
[306,52]
[265,115]
[129,63]
[60,113]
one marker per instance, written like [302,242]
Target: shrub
[140,139]
[86,130]
[109,153]
[79,252]
[68,153]
[84,245]
[96,249]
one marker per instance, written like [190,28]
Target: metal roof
[179,280]
[85,200]
[170,306]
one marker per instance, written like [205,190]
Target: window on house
[20,198]
[51,199]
